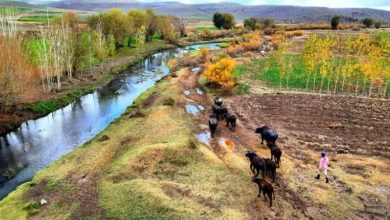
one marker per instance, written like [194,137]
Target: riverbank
[158,170]
[147,164]
[72,89]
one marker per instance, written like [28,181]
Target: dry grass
[155,173]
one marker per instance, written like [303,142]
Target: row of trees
[368,22]
[223,20]
[336,64]
[137,26]
[62,49]
[254,23]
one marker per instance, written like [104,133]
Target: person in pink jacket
[323,166]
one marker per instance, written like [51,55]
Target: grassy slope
[150,167]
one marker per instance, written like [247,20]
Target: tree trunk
[335,84]
[370,92]
[307,82]
[357,86]
[364,86]
[385,90]
[322,83]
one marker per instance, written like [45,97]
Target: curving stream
[37,143]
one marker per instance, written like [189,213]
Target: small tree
[218,20]
[378,24]
[228,21]
[335,22]
[368,22]
[111,45]
[250,23]
[263,23]
[220,73]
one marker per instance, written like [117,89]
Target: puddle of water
[187,92]
[197,69]
[199,91]
[204,138]
[194,109]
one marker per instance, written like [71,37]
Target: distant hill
[285,14]
[15,4]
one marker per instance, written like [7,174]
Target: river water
[37,143]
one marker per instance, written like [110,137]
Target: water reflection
[37,143]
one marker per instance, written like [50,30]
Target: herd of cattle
[257,163]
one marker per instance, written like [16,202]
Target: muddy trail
[351,129]
[244,139]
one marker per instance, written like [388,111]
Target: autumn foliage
[220,73]
[17,74]
[248,42]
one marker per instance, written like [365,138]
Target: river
[37,143]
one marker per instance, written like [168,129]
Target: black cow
[257,163]
[267,134]
[266,187]
[271,168]
[230,121]
[219,111]
[213,123]
[218,101]
[276,153]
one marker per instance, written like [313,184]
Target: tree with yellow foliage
[220,73]
[309,57]
[284,61]
[324,55]
[203,54]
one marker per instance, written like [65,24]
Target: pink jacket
[324,162]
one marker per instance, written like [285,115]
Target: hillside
[294,14]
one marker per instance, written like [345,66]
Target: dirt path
[288,204]
[349,128]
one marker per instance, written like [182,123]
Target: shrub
[378,24]
[368,22]
[189,61]
[251,45]
[276,40]
[204,54]
[234,49]
[294,33]
[250,23]
[335,22]
[228,21]
[269,31]
[220,73]
[218,20]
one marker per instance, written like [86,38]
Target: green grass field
[48,12]
[36,18]
[268,71]
[12,10]
[209,28]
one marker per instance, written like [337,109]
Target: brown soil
[340,124]
[307,124]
